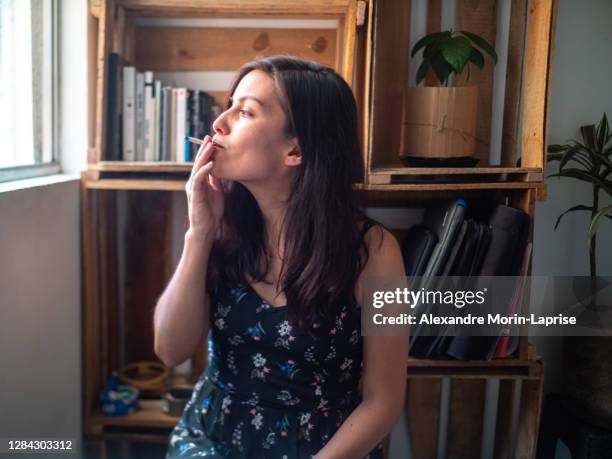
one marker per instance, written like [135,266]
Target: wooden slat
[412,362]
[551,53]
[182,48]
[450,186]
[360,81]
[236,8]
[480,18]
[423,407]
[103,293]
[132,184]
[366,114]
[105,27]
[147,255]
[348,54]
[138,166]
[503,428]
[434,24]
[529,422]
[90,331]
[452,170]
[389,75]
[536,82]
[514,72]
[466,413]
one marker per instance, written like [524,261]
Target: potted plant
[439,122]
[587,359]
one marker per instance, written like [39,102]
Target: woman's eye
[244,112]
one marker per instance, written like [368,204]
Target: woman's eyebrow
[231,100]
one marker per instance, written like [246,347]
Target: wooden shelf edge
[394,170]
[306,8]
[140,166]
[395,187]
[134,184]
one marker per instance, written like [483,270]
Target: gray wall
[40,316]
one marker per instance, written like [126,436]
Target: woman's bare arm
[181,318]
[384,369]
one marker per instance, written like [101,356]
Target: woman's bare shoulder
[384,253]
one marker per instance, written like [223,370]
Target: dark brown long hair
[324,253]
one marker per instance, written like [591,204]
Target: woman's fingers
[199,180]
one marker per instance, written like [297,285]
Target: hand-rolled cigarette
[194,140]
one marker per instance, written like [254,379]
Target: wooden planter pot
[439,123]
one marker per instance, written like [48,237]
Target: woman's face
[251,134]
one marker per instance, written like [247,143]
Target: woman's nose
[220,124]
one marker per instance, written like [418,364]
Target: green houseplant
[587,360]
[439,122]
[590,162]
[449,52]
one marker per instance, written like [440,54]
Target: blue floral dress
[270,391]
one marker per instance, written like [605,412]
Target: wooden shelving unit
[370,49]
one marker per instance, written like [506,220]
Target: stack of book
[148,121]
[456,240]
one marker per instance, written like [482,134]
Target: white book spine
[129,115]
[181,108]
[149,113]
[139,116]
[157,120]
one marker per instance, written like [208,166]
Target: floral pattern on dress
[270,391]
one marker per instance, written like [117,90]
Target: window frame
[50,115]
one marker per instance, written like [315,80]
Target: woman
[277,243]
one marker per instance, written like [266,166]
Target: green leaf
[482,43]
[422,71]
[456,52]
[589,135]
[571,209]
[441,68]
[578,174]
[572,153]
[596,221]
[557,148]
[477,58]
[426,40]
[602,132]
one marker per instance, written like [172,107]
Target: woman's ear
[294,157]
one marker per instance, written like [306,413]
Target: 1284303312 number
[30,444]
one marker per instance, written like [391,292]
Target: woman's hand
[204,194]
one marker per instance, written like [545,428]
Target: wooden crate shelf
[370,50]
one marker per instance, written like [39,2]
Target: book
[165,123]
[181,120]
[139,115]
[149,113]
[114,107]
[157,90]
[129,115]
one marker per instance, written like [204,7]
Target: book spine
[181,109]
[172,133]
[139,134]
[194,122]
[129,126]
[149,112]
[158,114]
[113,109]
[165,122]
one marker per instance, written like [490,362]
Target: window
[28,92]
